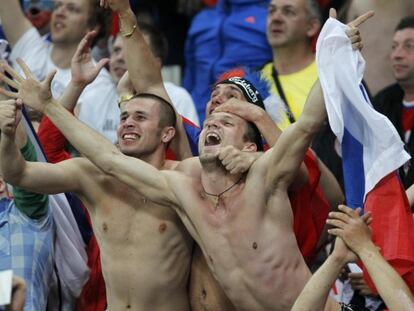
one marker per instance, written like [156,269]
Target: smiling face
[139,132]
[222,93]
[222,129]
[69,21]
[402,56]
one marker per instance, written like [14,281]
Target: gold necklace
[217,196]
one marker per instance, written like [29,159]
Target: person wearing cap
[242,221]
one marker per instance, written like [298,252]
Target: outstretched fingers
[8,93]
[49,78]
[9,82]
[13,73]
[25,68]
[86,43]
[102,63]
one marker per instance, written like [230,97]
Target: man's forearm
[87,141]
[11,161]
[388,282]
[314,296]
[143,68]
[269,130]
[71,95]
[314,111]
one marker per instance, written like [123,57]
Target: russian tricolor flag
[372,150]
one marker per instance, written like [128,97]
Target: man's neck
[156,158]
[62,55]
[289,60]
[215,178]
[408,92]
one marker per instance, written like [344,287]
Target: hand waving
[33,93]
[83,68]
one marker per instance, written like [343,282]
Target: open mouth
[212,139]
[130,136]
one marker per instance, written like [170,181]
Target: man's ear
[159,62]
[167,134]
[314,26]
[250,147]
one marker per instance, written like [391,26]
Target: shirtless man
[136,236]
[236,218]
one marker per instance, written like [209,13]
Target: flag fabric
[372,150]
[70,249]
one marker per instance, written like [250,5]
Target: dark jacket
[389,102]
[231,34]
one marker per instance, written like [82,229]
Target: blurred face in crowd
[69,22]
[117,65]
[222,93]
[288,22]
[402,55]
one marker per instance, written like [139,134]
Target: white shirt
[182,102]
[98,106]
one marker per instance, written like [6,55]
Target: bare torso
[205,292]
[248,242]
[145,249]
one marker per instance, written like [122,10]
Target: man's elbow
[107,162]
[12,176]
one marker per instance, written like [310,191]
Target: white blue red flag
[372,150]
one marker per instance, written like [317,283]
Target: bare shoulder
[190,167]
[170,165]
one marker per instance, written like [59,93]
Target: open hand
[241,108]
[83,68]
[33,93]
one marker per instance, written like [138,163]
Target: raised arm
[351,228]
[314,296]
[144,69]
[269,130]
[33,205]
[33,176]
[286,156]
[282,162]
[136,173]
[15,24]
